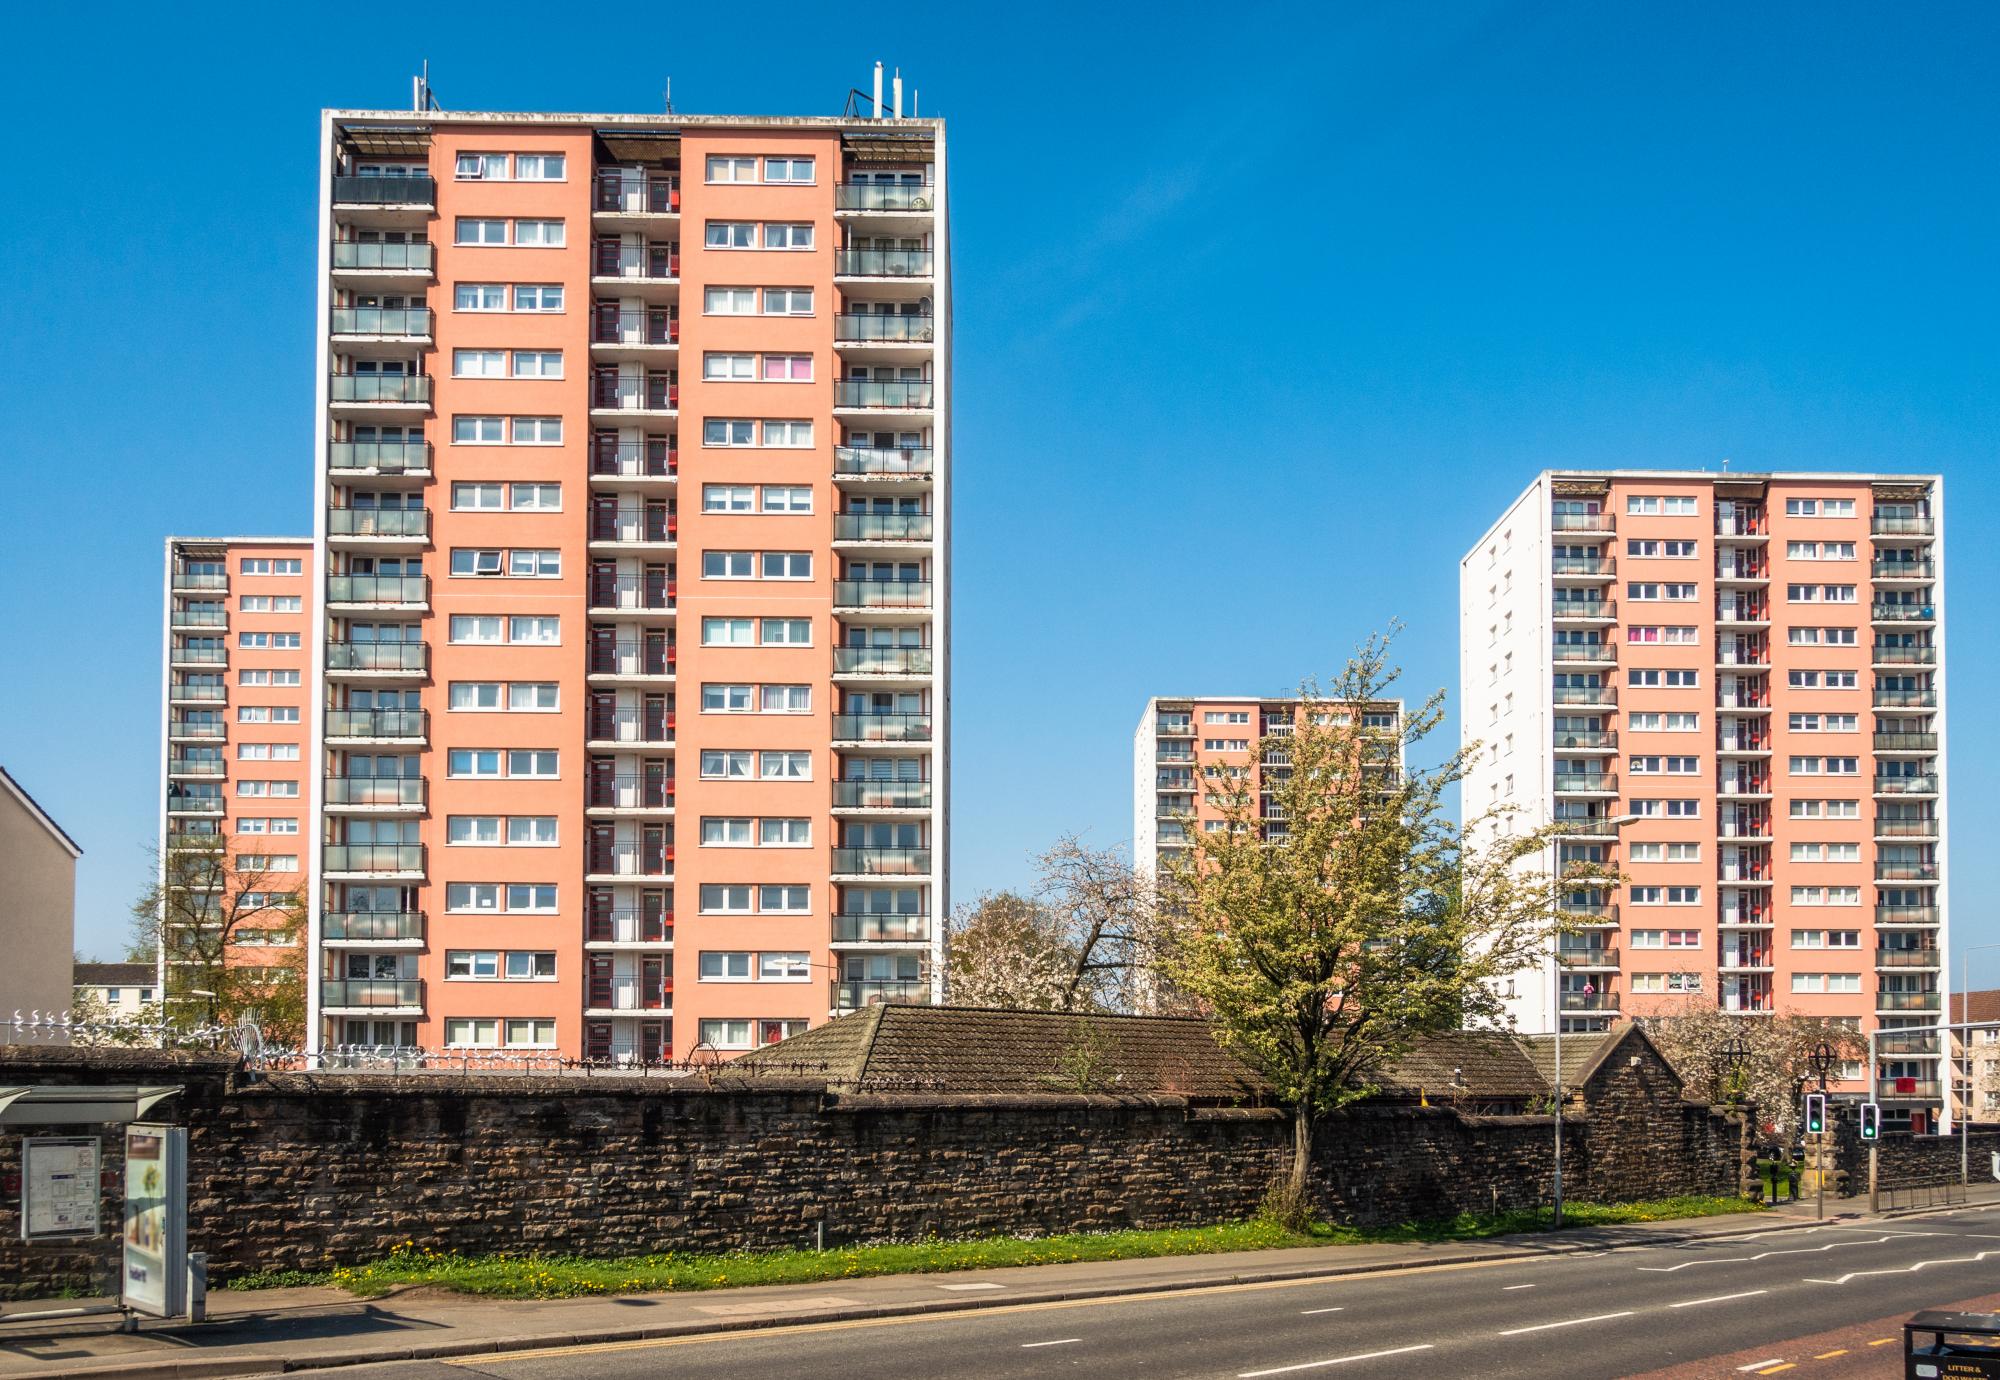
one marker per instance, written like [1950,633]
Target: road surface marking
[1304,1311]
[1719,1298]
[1907,1269]
[1567,1322]
[1759,1365]
[1773,1370]
[1828,1355]
[1512,1287]
[1882,1341]
[962,1288]
[1336,1361]
[1060,1341]
[1764,1255]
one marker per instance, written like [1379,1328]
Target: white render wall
[1145,796]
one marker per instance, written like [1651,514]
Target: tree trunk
[1289,1201]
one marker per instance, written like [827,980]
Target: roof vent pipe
[897,87]
[877,112]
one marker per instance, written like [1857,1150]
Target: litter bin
[1951,1346]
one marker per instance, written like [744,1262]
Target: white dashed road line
[1305,1311]
[1335,1361]
[1567,1322]
[1719,1298]
[1759,1365]
[1512,1287]
[1765,1255]
[1060,1341]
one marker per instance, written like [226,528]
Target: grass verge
[543,1276]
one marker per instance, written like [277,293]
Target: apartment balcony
[617,196]
[630,793]
[883,329]
[1908,958]
[182,731]
[1924,569]
[882,728]
[375,794]
[630,396]
[1584,826]
[1590,915]
[195,805]
[1746,961]
[853,995]
[1754,699]
[1587,1001]
[1910,1090]
[1905,828]
[179,693]
[357,264]
[1742,573]
[624,595]
[1748,919]
[908,796]
[1905,699]
[200,582]
[1174,781]
[1598,524]
[618,267]
[853,463]
[634,334]
[635,530]
[1744,787]
[628,927]
[640,661]
[1926,916]
[1168,727]
[1742,613]
[1890,1002]
[378,529]
[873,662]
[882,862]
[1587,653]
[630,728]
[365,325]
[1881,526]
[1582,569]
[197,620]
[1742,744]
[201,767]
[633,464]
[1586,740]
[631,864]
[1918,743]
[377,660]
[418,190]
[1756,828]
[896,197]
[884,395]
[379,459]
[371,996]
[881,529]
[1883,655]
[1902,613]
[881,595]
[1886,871]
[883,263]
[1587,955]
[368,395]
[409,592]
[360,726]
[1743,526]
[197,656]
[366,860]
[373,929]
[1586,696]
[870,928]
[1584,611]
[1586,783]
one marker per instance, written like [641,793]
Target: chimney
[897,86]
[878,92]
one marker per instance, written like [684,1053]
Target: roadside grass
[547,1276]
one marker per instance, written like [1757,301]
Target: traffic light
[1871,1121]
[1815,1114]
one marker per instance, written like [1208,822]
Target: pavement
[1171,1317]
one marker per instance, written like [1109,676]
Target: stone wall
[1907,1161]
[306,1171]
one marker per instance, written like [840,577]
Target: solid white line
[1061,1341]
[1304,1311]
[1907,1269]
[1759,1365]
[1719,1298]
[1512,1287]
[1764,1255]
[1569,1322]
[1336,1361]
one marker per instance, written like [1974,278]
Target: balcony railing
[1584,651]
[867,928]
[887,393]
[654,263]
[882,527]
[1907,958]
[874,993]
[381,388]
[630,791]
[376,190]
[1882,526]
[1588,956]
[1585,738]
[377,656]
[1902,613]
[195,766]
[382,457]
[651,593]
[883,862]
[378,589]
[1596,1001]
[378,522]
[632,658]
[884,263]
[410,322]
[1584,608]
[1905,828]
[631,726]
[634,459]
[200,618]
[642,525]
[1742,611]
[1906,1001]
[882,661]
[413,256]
[1742,525]
[628,925]
[347,994]
[657,326]
[199,656]
[1907,915]
[882,594]
[1584,826]
[181,728]
[372,924]
[884,196]
[198,694]
[197,581]
[1902,570]
[1887,871]
[1602,913]
[373,857]
[650,195]
[882,795]
[882,728]
[881,460]
[1604,782]
[374,790]
[653,393]
[864,327]
[1905,699]
[1584,694]
[376,723]
[1890,655]
[1583,565]
[1580,522]
[194,805]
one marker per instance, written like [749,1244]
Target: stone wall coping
[1052,1101]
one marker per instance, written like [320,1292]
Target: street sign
[1871,1121]
[59,1188]
[154,1275]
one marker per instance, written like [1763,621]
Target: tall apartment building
[1730,687]
[235,765]
[634,476]
[1181,739]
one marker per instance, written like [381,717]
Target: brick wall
[308,1171]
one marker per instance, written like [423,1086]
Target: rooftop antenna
[668,95]
[422,98]
[1725,464]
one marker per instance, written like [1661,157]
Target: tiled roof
[1580,1053]
[1475,1063]
[1985,1006]
[114,975]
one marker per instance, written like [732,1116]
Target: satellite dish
[249,1040]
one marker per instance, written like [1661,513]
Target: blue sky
[1263,312]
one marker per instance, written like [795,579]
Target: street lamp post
[1734,1055]
[1822,1061]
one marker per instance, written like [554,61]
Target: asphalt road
[1692,1309]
